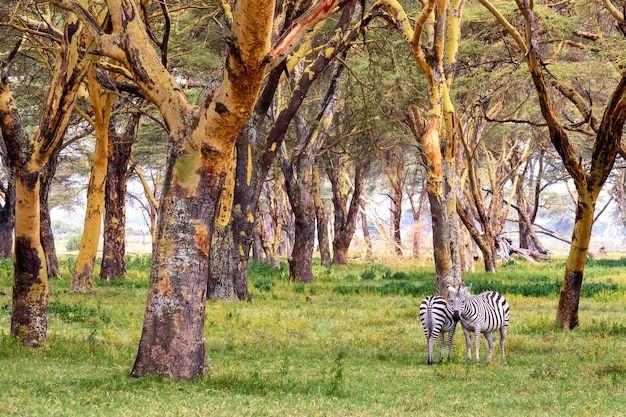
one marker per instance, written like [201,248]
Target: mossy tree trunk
[301,198]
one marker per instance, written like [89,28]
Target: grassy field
[349,345]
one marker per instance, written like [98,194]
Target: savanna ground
[348,345]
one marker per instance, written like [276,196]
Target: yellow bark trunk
[27,156]
[102,103]
[29,259]
[440,21]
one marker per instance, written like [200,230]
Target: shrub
[368,275]
[73,242]
[400,276]
[264,284]
[384,271]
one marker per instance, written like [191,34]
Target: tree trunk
[221,284]
[345,215]
[30,277]
[102,103]
[257,243]
[27,155]
[567,310]
[7,219]
[440,196]
[221,257]
[394,166]
[438,146]
[247,187]
[322,220]
[114,237]
[303,207]
[271,224]
[416,210]
[366,236]
[202,139]
[47,236]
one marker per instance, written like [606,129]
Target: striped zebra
[436,318]
[482,313]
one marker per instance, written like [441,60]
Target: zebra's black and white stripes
[436,318]
[482,313]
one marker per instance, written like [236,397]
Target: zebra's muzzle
[456,316]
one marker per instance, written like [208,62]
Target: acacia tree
[27,157]
[298,172]
[395,174]
[433,42]
[102,105]
[588,181]
[346,202]
[321,219]
[201,140]
[255,159]
[118,155]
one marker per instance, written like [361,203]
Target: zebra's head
[456,297]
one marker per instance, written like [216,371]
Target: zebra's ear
[469,287]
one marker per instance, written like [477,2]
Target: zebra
[436,317]
[482,313]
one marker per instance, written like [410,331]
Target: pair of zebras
[482,313]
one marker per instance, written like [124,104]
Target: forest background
[262,130]
[292,161]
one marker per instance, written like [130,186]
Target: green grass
[318,351]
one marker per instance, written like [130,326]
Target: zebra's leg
[468,344]
[450,335]
[442,341]
[477,343]
[491,343]
[431,356]
[502,338]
